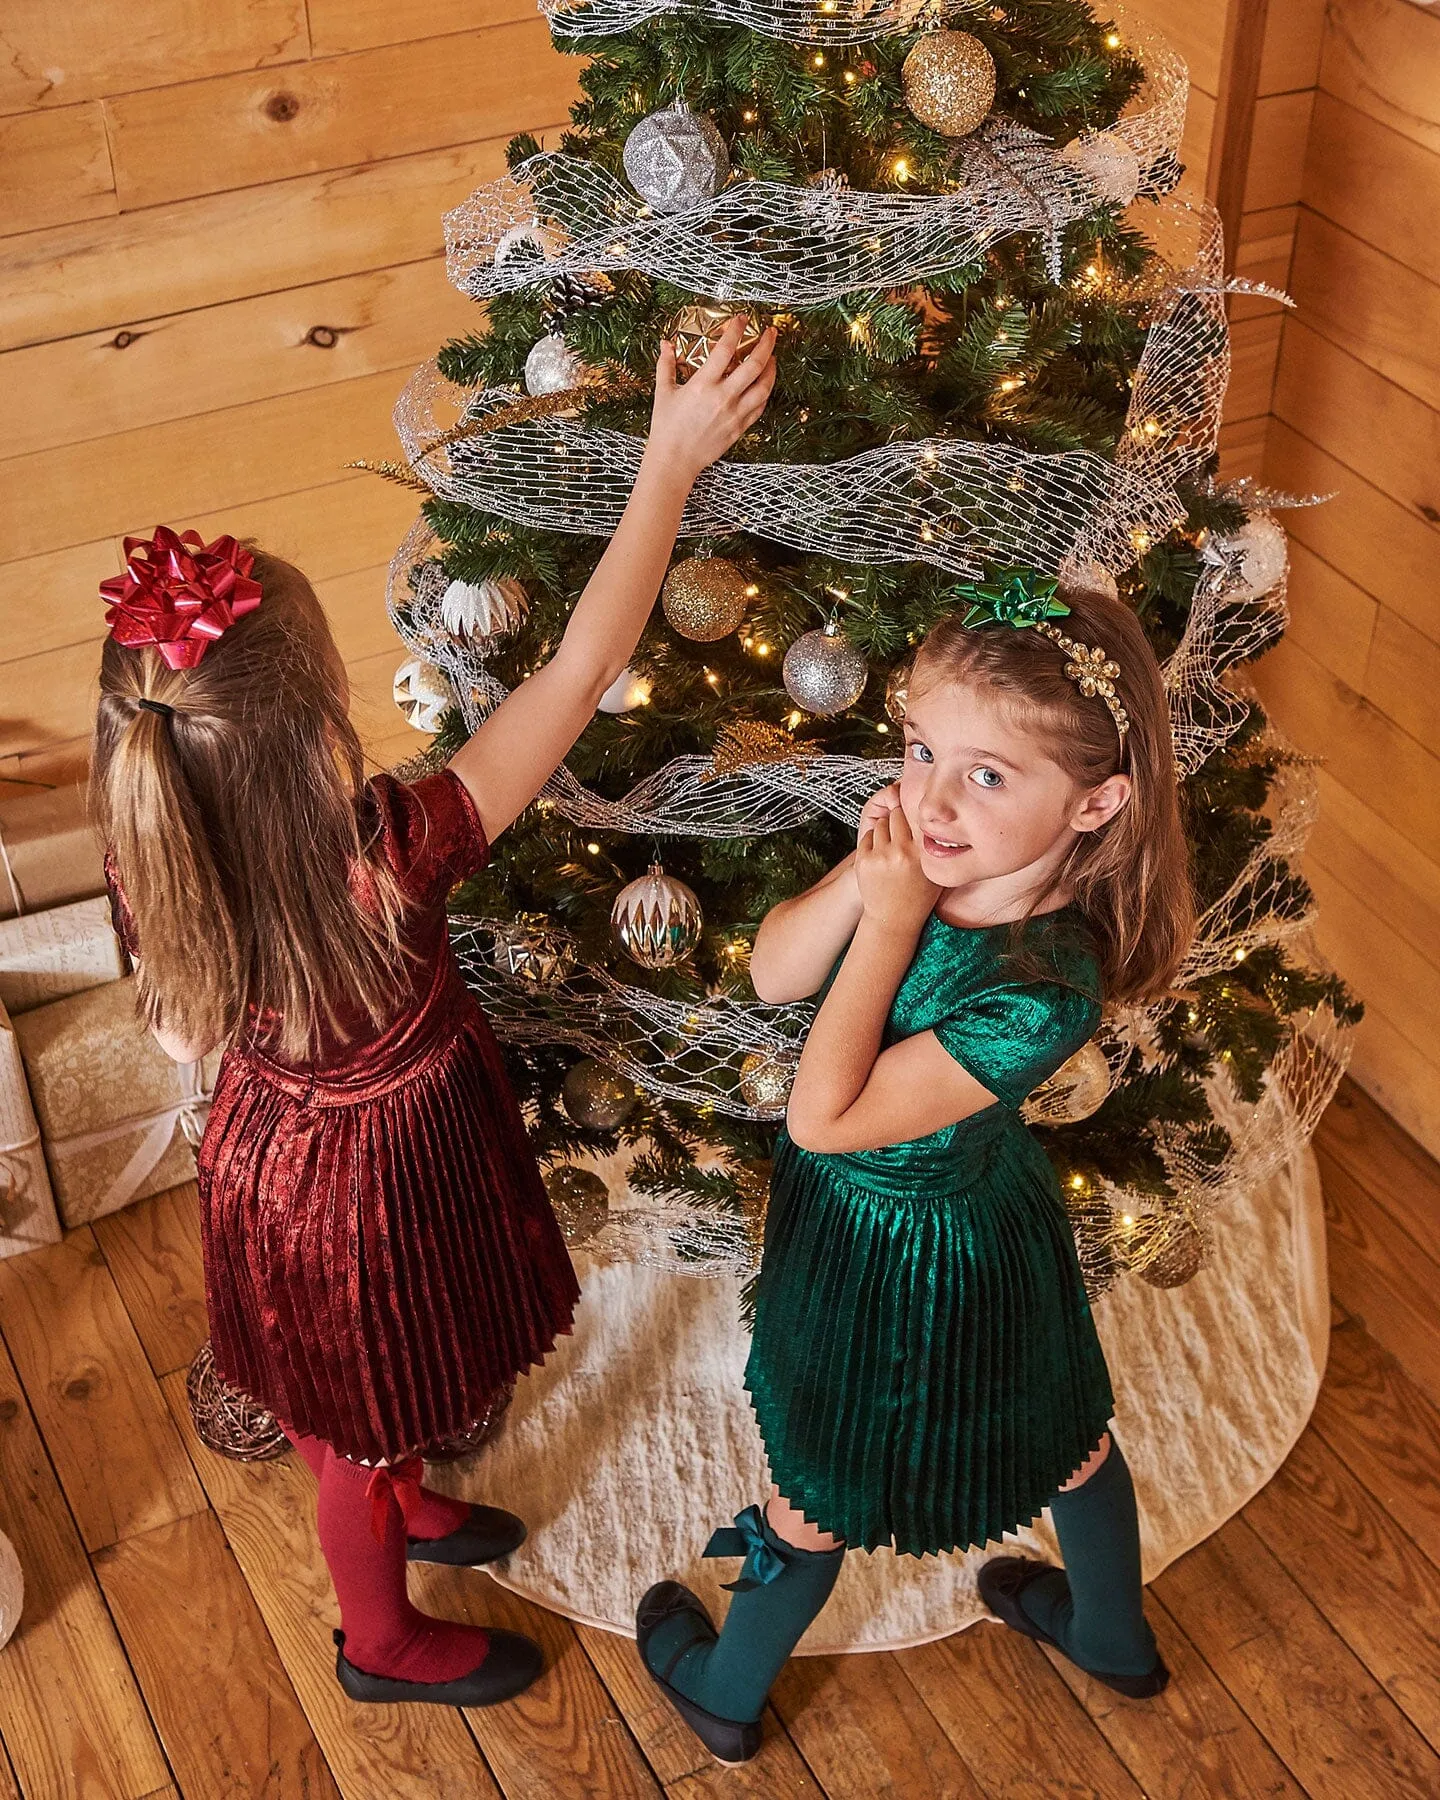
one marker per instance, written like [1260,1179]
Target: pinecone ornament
[570,294]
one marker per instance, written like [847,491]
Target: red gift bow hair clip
[179,593]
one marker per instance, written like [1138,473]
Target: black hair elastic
[157,706]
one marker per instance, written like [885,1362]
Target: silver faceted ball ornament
[551,367]
[597,1097]
[483,609]
[949,82]
[580,1200]
[1107,162]
[676,158]
[656,919]
[823,672]
[529,947]
[423,693]
[765,1082]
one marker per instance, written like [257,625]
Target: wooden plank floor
[176,1633]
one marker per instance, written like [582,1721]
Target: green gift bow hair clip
[1014,596]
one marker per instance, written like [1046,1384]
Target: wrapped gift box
[51,854]
[118,1118]
[46,955]
[27,1206]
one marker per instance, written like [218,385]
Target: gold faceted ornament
[698,329]
[1164,1249]
[949,82]
[1076,1089]
[530,947]
[580,1200]
[656,919]
[597,1097]
[765,1082]
[897,689]
[705,598]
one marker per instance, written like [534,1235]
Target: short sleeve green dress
[925,1368]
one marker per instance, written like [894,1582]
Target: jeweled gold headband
[1025,600]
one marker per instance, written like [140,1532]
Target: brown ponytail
[1131,878]
[227,795]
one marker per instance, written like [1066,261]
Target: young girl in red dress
[380,1255]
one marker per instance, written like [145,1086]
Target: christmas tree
[1002,344]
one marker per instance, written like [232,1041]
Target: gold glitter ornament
[765,1082]
[823,672]
[656,919]
[949,82]
[697,330]
[1076,1089]
[705,598]
[597,1097]
[580,1200]
[1165,1250]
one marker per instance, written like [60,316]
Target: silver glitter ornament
[765,1082]
[580,1200]
[551,366]
[483,609]
[596,1096]
[823,672]
[1108,163]
[1077,1088]
[676,158]
[530,947]
[423,693]
[949,82]
[656,920]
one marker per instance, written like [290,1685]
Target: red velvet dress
[380,1254]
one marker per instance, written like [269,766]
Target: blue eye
[987,778]
[921,752]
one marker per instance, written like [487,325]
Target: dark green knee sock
[1095,1609]
[779,1593]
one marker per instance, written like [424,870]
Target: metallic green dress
[925,1368]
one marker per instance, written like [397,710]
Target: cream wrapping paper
[45,956]
[27,1206]
[119,1119]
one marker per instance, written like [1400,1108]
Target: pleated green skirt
[925,1368]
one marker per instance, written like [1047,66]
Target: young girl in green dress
[925,1368]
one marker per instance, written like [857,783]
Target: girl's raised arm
[509,759]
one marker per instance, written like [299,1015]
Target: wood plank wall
[221,256]
[1357,411]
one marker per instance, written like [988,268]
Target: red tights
[362,1535]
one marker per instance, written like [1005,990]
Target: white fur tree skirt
[636,1439]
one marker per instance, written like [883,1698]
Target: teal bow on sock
[763,1562]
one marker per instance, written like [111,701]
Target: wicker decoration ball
[697,331]
[483,609]
[823,672]
[628,690]
[1077,1088]
[676,158]
[765,1082]
[705,598]
[528,946]
[551,367]
[12,1590]
[949,82]
[1164,1250]
[422,693]
[581,1202]
[227,1421]
[1263,552]
[597,1097]
[656,920]
[1108,163]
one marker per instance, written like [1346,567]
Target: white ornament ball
[551,367]
[1108,163]
[483,609]
[676,158]
[1089,577]
[12,1590]
[823,672]
[656,920]
[422,693]
[628,690]
[1263,552]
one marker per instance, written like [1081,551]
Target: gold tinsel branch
[745,742]
[391,471]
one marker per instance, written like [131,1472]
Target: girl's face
[985,801]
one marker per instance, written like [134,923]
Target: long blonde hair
[1131,878]
[233,826]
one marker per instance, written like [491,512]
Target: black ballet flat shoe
[1004,1579]
[510,1665]
[728,1740]
[487,1534]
